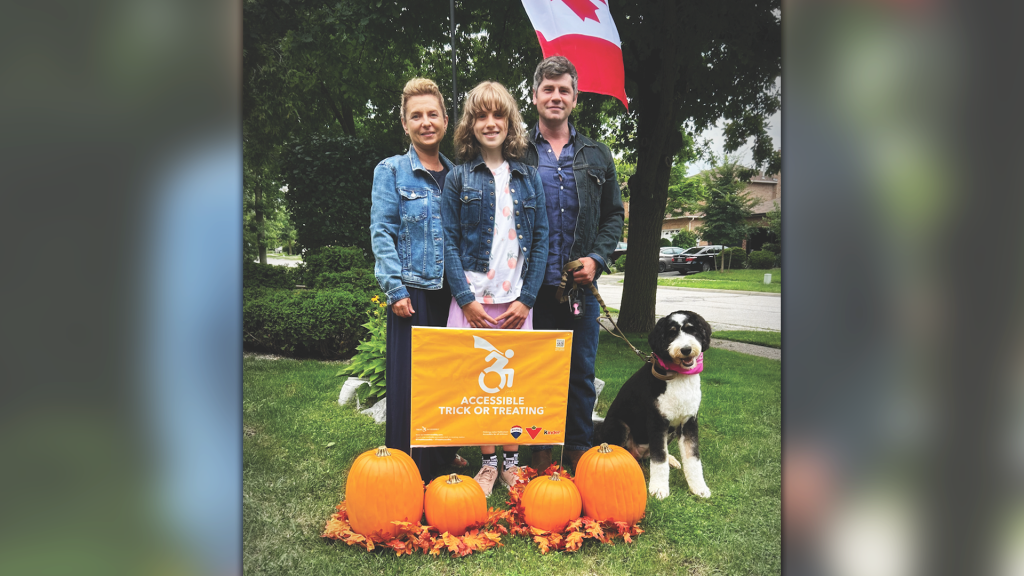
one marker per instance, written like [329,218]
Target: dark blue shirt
[563,201]
[439,176]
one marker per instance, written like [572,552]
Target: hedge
[329,267]
[734,258]
[761,260]
[256,275]
[306,323]
[620,264]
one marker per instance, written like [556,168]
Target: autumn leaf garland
[426,539]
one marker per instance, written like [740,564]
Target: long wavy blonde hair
[490,96]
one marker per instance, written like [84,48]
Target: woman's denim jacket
[405,226]
[468,218]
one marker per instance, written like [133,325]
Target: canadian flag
[583,32]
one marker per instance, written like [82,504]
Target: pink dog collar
[698,365]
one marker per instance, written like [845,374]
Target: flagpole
[455,86]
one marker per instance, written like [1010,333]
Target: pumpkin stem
[604,449]
[382,451]
[453,478]
[555,477]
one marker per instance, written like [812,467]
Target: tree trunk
[261,242]
[660,140]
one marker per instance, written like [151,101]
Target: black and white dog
[660,402]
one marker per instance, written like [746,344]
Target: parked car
[620,249]
[665,257]
[696,259]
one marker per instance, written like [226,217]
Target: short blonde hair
[490,96]
[421,87]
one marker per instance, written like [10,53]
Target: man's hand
[585,276]
[403,308]
[476,316]
[515,316]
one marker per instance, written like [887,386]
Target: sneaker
[509,477]
[486,477]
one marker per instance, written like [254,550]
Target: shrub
[761,260]
[370,363]
[734,258]
[620,264]
[326,267]
[307,323]
[256,275]
[665,242]
[685,239]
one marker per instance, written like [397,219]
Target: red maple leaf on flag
[582,8]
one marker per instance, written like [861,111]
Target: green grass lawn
[759,337]
[293,477]
[752,280]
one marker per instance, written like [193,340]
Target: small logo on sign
[517,431]
[559,344]
[533,430]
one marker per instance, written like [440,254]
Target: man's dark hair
[553,67]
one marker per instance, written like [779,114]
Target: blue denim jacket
[405,226]
[468,207]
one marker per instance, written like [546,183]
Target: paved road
[723,310]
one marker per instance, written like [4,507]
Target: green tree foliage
[329,184]
[623,172]
[727,207]
[774,218]
[684,239]
[685,193]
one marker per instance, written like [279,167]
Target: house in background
[765,189]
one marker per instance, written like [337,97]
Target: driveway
[724,310]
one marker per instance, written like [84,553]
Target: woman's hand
[515,316]
[403,308]
[475,315]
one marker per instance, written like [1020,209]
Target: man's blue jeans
[548,314]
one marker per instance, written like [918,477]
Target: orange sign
[473,387]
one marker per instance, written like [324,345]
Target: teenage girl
[495,232]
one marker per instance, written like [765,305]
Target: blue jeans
[549,314]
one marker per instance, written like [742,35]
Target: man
[585,215]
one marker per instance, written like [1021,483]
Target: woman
[407,206]
[495,233]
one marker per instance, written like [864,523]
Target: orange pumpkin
[611,484]
[551,502]
[454,502]
[383,485]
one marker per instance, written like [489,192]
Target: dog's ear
[705,333]
[656,339]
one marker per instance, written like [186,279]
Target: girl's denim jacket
[468,217]
[405,226]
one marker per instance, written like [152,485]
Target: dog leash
[561,296]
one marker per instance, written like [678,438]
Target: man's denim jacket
[468,217]
[405,226]
[600,220]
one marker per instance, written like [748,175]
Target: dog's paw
[659,492]
[702,491]
[673,462]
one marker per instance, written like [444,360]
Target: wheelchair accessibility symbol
[499,361]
